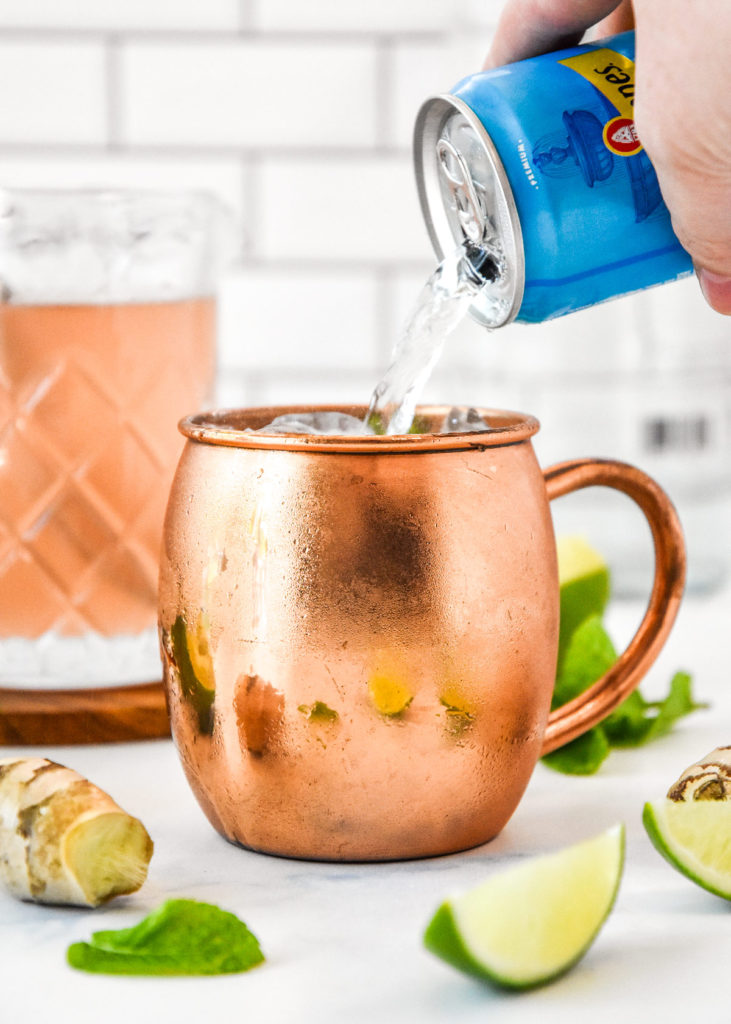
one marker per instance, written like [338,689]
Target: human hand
[682,105]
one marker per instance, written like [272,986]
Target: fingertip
[716,290]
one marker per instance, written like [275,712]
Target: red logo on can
[620,135]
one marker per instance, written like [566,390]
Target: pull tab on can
[466,203]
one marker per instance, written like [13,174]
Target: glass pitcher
[107,338]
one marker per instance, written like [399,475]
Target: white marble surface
[343,941]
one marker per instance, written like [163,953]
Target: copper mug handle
[590,707]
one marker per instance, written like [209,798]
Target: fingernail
[717,290]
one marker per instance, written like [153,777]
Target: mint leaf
[319,712]
[678,703]
[628,724]
[636,721]
[633,724]
[589,654]
[419,425]
[376,423]
[85,957]
[582,756]
[180,937]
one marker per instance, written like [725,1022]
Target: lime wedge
[583,578]
[195,667]
[695,837]
[531,923]
[389,695]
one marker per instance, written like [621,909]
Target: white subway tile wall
[381,16]
[249,95]
[223,175]
[53,92]
[419,72]
[121,15]
[341,208]
[289,317]
[297,115]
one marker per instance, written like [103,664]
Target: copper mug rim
[234,428]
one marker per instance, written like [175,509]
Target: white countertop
[343,941]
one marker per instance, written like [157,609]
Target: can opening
[467,202]
[483,263]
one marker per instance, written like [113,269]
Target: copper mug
[360,634]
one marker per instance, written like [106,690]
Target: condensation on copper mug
[379,640]
[360,634]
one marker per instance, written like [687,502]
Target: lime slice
[195,666]
[695,837]
[389,695]
[531,923]
[583,578]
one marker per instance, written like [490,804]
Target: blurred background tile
[248,94]
[120,15]
[54,92]
[381,16]
[299,116]
[340,209]
[226,176]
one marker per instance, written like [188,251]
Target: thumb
[717,289]
[698,196]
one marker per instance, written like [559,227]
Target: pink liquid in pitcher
[90,396]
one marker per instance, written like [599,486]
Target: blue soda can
[538,163]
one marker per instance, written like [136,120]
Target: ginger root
[64,840]
[708,779]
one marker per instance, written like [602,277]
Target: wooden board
[109,715]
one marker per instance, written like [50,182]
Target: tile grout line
[206,151]
[204,37]
[382,93]
[249,381]
[251,193]
[246,11]
[338,266]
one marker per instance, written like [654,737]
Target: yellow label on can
[611,73]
